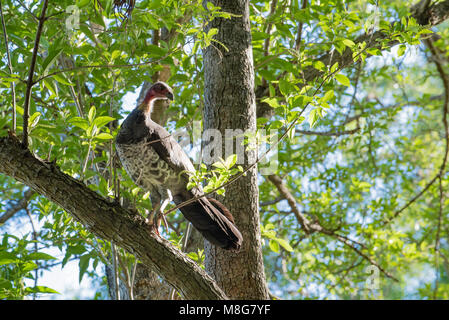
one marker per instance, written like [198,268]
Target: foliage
[360,140]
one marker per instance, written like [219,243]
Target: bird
[157,163]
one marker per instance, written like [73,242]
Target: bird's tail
[214,221]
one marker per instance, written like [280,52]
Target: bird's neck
[147,105]
[154,109]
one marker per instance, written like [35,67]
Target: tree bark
[107,220]
[230,104]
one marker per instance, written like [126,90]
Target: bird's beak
[169,95]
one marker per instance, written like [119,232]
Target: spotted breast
[145,167]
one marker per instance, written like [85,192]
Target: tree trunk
[230,104]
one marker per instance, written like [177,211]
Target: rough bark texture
[230,104]
[107,220]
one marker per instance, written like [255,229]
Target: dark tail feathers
[214,221]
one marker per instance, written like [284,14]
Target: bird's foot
[152,222]
[153,226]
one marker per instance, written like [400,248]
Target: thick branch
[107,220]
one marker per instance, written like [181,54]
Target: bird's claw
[153,226]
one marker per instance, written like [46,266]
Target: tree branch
[30,83]
[8,56]
[445,79]
[300,26]
[315,226]
[107,220]
[285,193]
[328,133]
[17,207]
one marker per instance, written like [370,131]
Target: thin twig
[328,133]
[445,79]
[285,193]
[115,271]
[36,273]
[18,206]
[440,173]
[300,26]
[270,202]
[269,26]
[28,10]
[437,241]
[8,56]
[106,66]
[30,83]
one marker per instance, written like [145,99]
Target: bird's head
[159,90]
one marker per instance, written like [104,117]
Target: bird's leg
[152,218]
[160,214]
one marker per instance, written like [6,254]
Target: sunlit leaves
[274,242]
[93,125]
[342,79]
[216,177]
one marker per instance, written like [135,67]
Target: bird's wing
[133,129]
[168,148]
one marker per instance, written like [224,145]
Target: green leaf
[285,245]
[91,114]
[343,79]
[348,43]
[285,87]
[272,102]
[83,265]
[39,256]
[327,96]
[156,51]
[50,86]
[115,54]
[319,65]
[274,245]
[79,122]
[219,164]
[401,50]
[60,78]
[108,7]
[101,121]
[104,136]
[334,67]
[230,161]
[82,3]
[50,60]
[34,119]
[28,266]
[40,289]
[291,133]
[7,258]
[313,117]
